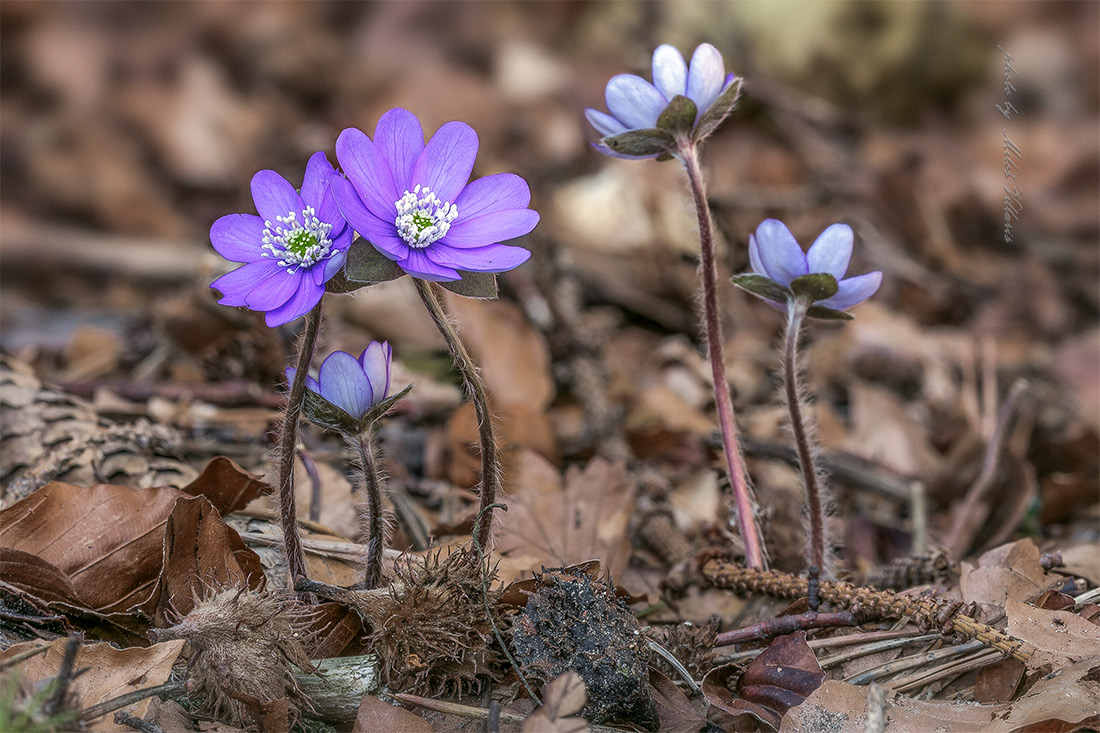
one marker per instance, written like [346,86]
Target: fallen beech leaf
[1059,637]
[201,552]
[228,486]
[111,672]
[585,519]
[376,715]
[562,699]
[676,713]
[784,675]
[997,682]
[1008,571]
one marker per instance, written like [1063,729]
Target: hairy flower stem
[712,326]
[796,313]
[288,441]
[475,386]
[373,521]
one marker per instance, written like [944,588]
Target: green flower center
[298,244]
[422,218]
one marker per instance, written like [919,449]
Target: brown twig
[967,517]
[132,721]
[64,675]
[870,603]
[784,625]
[168,689]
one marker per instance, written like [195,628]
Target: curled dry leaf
[676,712]
[784,675]
[1009,571]
[562,699]
[111,672]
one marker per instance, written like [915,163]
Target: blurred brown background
[127,128]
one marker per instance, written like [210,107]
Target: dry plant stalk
[868,602]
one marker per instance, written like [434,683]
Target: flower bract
[358,388]
[295,245]
[781,270]
[635,104]
[416,204]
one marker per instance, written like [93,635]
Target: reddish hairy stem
[796,311]
[288,442]
[475,386]
[712,327]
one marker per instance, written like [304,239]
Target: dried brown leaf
[376,715]
[1059,637]
[562,700]
[675,710]
[228,486]
[1009,571]
[111,672]
[784,675]
[585,519]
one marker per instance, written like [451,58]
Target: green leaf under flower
[765,287]
[827,314]
[815,287]
[641,142]
[679,116]
[324,414]
[718,111]
[474,285]
[366,264]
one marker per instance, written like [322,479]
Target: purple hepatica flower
[635,104]
[358,387]
[775,255]
[413,203]
[296,244]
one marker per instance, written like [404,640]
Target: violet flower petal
[311,383]
[315,181]
[236,285]
[400,139]
[779,252]
[301,302]
[390,245]
[491,228]
[447,161]
[375,362]
[705,76]
[831,251]
[238,237]
[275,197]
[369,173]
[604,123]
[669,71]
[492,193]
[490,258]
[854,291]
[754,257]
[418,265]
[634,101]
[344,384]
[357,214]
[276,290]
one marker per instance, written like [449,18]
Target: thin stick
[796,311]
[475,386]
[168,689]
[785,625]
[374,522]
[712,326]
[64,674]
[963,529]
[288,442]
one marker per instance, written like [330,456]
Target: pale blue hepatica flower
[782,272]
[637,106]
[350,393]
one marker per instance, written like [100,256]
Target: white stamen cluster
[298,244]
[422,218]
